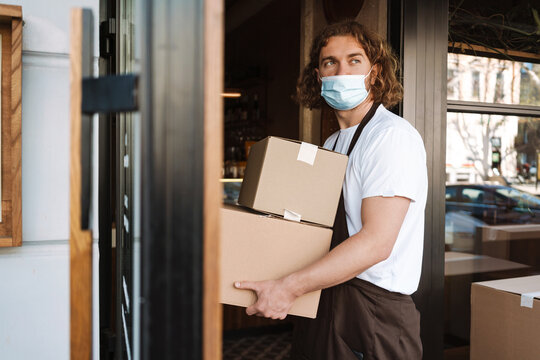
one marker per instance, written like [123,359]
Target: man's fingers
[246,285]
[251,310]
[254,310]
[265,305]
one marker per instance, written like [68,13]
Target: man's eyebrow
[327,58]
[349,56]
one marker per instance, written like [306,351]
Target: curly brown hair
[386,89]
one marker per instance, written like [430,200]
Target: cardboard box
[260,247]
[294,180]
[503,326]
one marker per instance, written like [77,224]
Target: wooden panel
[458,47]
[312,21]
[5,241]
[16,126]
[5,31]
[6,224]
[80,241]
[424,105]
[11,31]
[13,11]
[213,148]
[373,15]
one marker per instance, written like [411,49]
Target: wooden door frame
[80,239]
[214,69]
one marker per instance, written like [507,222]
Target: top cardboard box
[296,180]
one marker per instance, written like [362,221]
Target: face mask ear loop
[369,72]
[369,91]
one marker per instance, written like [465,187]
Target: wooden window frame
[11,225]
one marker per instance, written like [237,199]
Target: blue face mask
[344,92]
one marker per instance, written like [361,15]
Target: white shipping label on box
[527,299]
[291,215]
[307,153]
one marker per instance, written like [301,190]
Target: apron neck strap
[360,127]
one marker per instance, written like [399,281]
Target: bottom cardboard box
[502,326]
[260,247]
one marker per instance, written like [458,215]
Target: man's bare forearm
[371,245]
[353,256]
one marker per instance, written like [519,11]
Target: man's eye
[355,61]
[329,63]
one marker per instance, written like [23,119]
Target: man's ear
[318,75]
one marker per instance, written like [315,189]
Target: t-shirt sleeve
[394,164]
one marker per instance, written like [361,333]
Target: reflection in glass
[492,220]
[487,147]
[482,79]
[491,173]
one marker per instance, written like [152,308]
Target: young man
[365,311]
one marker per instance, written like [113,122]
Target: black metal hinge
[107,38]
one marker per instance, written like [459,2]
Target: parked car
[493,204]
[469,206]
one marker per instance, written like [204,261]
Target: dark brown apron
[357,319]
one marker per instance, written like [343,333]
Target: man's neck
[349,118]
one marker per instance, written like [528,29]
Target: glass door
[492,201]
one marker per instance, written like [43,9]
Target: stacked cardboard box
[295,180]
[505,319]
[298,186]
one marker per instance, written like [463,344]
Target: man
[375,262]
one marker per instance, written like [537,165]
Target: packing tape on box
[307,153]
[291,215]
[527,299]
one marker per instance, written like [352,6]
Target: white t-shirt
[388,160]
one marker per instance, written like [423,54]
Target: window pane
[475,78]
[487,147]
[492,218]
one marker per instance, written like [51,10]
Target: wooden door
[80,238]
